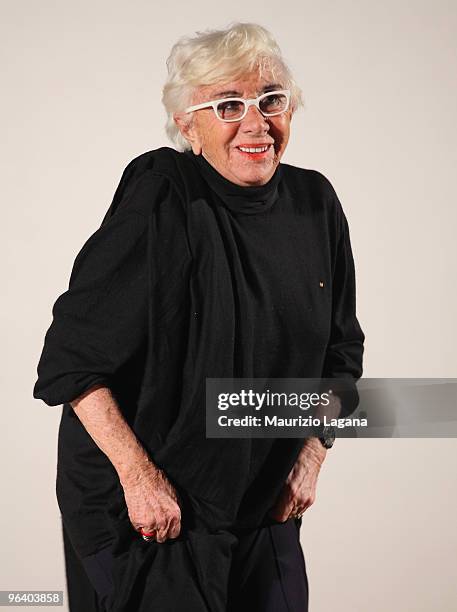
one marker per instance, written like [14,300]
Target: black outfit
[192,276]
[267,574]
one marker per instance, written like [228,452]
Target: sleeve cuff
[65,391]
[346,389]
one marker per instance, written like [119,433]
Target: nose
[254,121]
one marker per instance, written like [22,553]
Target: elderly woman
[214,260]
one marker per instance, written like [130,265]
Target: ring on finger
[147,537]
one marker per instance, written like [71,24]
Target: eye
[273,103]
[230,109]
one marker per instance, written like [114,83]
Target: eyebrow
[231,92]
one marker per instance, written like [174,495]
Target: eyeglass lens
[269,105]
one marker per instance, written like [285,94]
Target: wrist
[313,449]
[132,471]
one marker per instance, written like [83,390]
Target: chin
[255,175]
[259,177]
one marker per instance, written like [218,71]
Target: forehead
[248,85]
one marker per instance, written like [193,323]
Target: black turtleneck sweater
[192,276]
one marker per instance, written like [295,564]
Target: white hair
[213,56]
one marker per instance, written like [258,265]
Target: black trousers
[268,573]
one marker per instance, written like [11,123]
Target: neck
[249,199]
[231,177]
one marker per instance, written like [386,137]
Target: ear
[188,130]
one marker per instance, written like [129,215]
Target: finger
[161,536]
[148,532]
[280,515]
[174,524]
[297,513]
[285,505]
[290,501]
[172,521]
[303,506]
[148,535]
[162,531]
[175,528]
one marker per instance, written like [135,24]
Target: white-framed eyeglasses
[269,104]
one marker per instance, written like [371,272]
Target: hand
[299,490]
[152,503]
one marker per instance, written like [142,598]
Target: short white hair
[213,56]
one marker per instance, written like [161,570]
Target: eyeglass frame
[247,103]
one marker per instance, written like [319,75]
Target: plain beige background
[81,88]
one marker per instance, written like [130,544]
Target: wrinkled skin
[299,490]
[217,140]
[153,504]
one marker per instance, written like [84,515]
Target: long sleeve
[344,354]
[100,322]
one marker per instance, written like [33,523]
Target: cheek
[286,134]
[219,138]
[226,137]
[282,136]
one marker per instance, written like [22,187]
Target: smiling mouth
[259,151]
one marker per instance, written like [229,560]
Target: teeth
[253,149]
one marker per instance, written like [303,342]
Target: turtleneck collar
[248,200]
